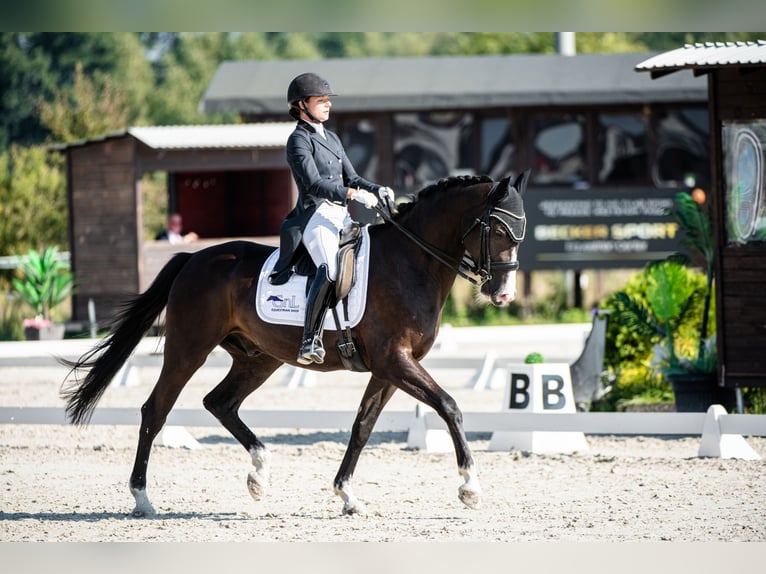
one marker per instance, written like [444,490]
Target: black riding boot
[317,302]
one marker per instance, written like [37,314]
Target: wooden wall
[110,260]
[738,94]
[105,223]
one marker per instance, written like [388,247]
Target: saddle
[350,240]
[282,302]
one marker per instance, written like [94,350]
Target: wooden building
[736,76]
[226,181]
[602,141]
[608,147]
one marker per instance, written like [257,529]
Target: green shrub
[629,352]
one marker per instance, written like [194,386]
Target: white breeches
[322,233]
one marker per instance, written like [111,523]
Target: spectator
[174,231]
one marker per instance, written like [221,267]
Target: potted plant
[670,297]
[45,283]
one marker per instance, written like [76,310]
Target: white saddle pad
[286,304]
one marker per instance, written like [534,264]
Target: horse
[466,225]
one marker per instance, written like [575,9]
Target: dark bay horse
[467,225]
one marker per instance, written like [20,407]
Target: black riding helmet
[303,87]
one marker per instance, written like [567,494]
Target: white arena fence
[486,366]
[401,421]
[721,434]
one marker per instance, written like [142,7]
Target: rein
[467,268]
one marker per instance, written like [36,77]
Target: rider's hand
[364,197]
[386,193]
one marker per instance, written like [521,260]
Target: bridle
[477,272]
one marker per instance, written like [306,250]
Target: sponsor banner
[598,228]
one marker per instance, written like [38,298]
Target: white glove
[386,192]
[365,198]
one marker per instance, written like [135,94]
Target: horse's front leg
[375,398]
[415,381]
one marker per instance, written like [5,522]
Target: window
[430,146]
[358,138]
[682,157]
[621,146]
[744,145]
[497,148]
[558,150]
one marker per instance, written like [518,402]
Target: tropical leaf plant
[695,220]
[46,281]
[669,298]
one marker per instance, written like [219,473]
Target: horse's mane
[439,186]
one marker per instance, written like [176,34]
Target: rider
[326,181]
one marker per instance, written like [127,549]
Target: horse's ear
[500,190]
[521,181]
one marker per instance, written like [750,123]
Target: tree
[89,111]
[24,72]
[41,67]
[33,212]
[183,74]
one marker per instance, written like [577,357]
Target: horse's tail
[107,357]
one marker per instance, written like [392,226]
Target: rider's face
[319,107]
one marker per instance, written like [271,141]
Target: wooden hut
[226,181]
[736,75]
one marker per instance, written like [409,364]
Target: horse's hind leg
[245,376]
[375,398]
[177,369]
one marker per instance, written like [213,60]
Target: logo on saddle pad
[286,304]
[283,304]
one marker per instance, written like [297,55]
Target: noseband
[479,272]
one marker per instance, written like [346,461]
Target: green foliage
[154,201]
[162,76]
[33,210]
[89,110]
[45,282]
[11,316]
[637,337]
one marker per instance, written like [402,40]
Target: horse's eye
[500,231]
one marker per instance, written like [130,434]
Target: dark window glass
[558,150]
[358,138]
[428,147]
[683,147]
[497,148]
[621,144]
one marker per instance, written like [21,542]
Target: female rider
[326,182]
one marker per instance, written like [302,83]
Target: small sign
[539,388]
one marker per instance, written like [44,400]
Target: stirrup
[311,351]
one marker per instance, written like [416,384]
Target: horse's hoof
[143,512]
[143,507]
[471,498]
[350,509]
[257,485]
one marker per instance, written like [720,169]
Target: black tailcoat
[322,171]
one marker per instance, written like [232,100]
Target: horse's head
[493,240]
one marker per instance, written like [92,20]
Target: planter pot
[50,333]
[695,392]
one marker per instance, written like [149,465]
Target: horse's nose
[503,297]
